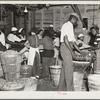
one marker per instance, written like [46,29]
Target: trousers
[66,76]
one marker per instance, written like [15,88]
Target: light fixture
[25,11]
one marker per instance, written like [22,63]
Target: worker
[13,39]
[56,43]
[48,53]
[2,36]
[51,29]
[22,34]
[33,56]
[66,50]
[13,35]
[80,42]
[40,34]
[94,30]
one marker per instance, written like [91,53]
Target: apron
[32,53]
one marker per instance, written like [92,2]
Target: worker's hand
[80,45]
[73,55]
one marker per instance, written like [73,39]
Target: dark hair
[39,31]
[47,33]
[57,34]
[94,27]
[34,29]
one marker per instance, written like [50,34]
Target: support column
[33,18]
[25,23]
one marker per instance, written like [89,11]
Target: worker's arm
[40,41]
[69,46]
[76,47]
[10,42]
[2,47]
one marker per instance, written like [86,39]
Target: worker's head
[94,30]
[51,27]
[2,25]
[47,33]
[34,30]
[73,18]
[81,37]
[40,32]
[14,30]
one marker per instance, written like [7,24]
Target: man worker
[47,54]
[66,50]
[13,40]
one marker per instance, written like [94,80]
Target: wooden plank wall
[59,15]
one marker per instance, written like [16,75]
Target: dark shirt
[92,40]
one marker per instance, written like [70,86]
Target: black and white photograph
[49,47]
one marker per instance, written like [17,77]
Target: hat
[3,23]
[80,35]
[14,29]
[20,30]
[51,26]
[75,14]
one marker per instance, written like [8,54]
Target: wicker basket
[11,65]
[55,71]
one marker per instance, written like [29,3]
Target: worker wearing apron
[67,53]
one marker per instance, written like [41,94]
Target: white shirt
[40,46]
[13,38]
[83,44]
[2,38]
[67,29]
[56,42]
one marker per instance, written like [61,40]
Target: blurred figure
[48,53]
[40,34]
[80,42]
[13,39]
[94,30]
[56,43]
[51,31]
[22,34]
[33,56]
[13,36]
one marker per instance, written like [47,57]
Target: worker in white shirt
[67,53]
[2,36]
[80,42]
[13,35]
[14,40]
[56,43]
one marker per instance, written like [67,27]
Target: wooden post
[14,19]
[25,23]
[33,18]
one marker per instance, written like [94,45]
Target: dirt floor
[48,85]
